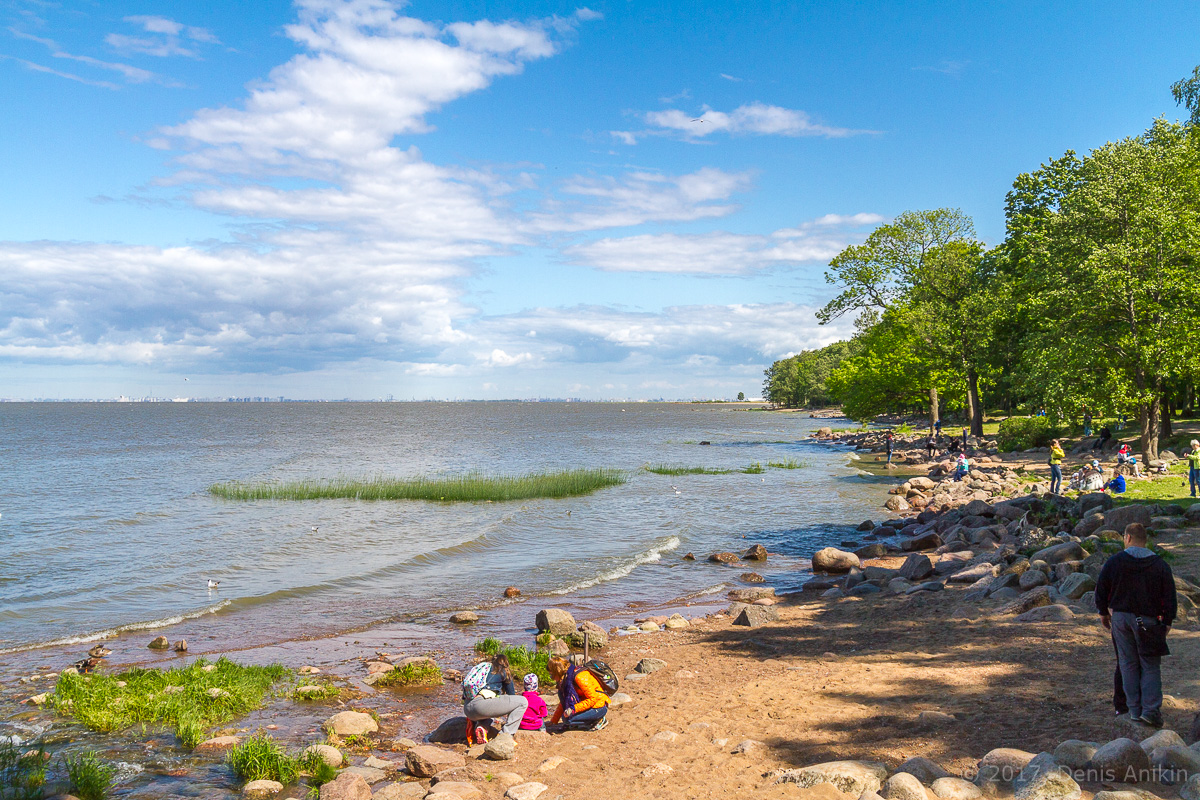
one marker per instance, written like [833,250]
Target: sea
[108,526]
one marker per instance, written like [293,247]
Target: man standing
[1193,459]
[1136,599]
[889,448]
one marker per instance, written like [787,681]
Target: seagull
[213,584]
[314,528]
[699,119]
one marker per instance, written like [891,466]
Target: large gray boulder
[850,777]
[924,769]
[830,559]
[902,786]
[1000,767]
[1058,553]
[1121,516]
[1077,585]
[1043,779]
[1075,753]
[1051,613]
[1162,738]
[425,760]
[1089,525]
[1027,601]
[555,620]
[916,567]
[1121,761]
[955,789]
[925,541]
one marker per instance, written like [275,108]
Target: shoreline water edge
[905,625]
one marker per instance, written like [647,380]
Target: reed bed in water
[472,487]
[682,469]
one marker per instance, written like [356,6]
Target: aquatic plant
[473,487]
[22,771]
[754,469]
[262,758]
[418,673]
[520,658]
[680,469]
[327,691]
[88,777]
[318,769]
[187,700]
[790,463]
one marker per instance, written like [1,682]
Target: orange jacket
[590,695]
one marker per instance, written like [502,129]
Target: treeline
[1090,304]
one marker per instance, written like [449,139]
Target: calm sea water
[107,523]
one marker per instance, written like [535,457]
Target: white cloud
[131,73]
[757,119]
[167,37]
[720,253]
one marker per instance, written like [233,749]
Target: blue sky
[501,199]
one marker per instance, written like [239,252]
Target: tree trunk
[973,407]
[933,406]
[1166,416]
[1148,421]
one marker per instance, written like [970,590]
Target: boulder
[1125,794]
[649,665]
[1075,753]
[896,503]
[978,508]
[1191,789]
[1177,762]
[724,558]
[512,591]
[218,743]
[330,755]
[425,761]
[850,777]
[454,790]
[874,550]
[757,616]
[925,541]
[868,525]
[1121,516]
[916,567]
[1000,767]
[1043,779]
[159,643]
[1076,585]
[1162,738]
[923,769]
[973,574]
[351,723]
[1027,601]
[755,553]
[955,789]
[1088,525]
[751,577]
[1058,553]
[464,618]
[411,790]
[452,731]
[830,559]
[501,748]
[526,791]
[1121,760]
[902,786]
[555,620]
[261,790]
[749,595]
[1031,579]
[346,786]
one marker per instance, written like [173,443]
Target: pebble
[552,763]
[526,791]
[656,770]
[664,736]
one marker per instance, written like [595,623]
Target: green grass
[1165,489]
[88,777]
[262,758]
[177,698]
[680,469]
[22,772]
[319,771]
[418,673]
[472,487]
[755,468]
[328,691]
[520,658]
[790,463]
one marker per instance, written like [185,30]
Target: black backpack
[603,673]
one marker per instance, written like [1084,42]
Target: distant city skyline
[487,200]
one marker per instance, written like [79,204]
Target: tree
[741,396]
[926,266]
[800,380]
[1108,248]
[1187,94]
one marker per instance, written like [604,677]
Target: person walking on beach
[937,426]
[931,444]
[1056,459]
[1135,596]
[889,447]
[1193,459]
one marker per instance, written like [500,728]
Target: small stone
[665,736]
[218,743]
[159,643]
[751,577]
[749,747]
[310,691]
[657,770]
[931,719]
[619,699]
[526,791]
[552,763]
[351,723]
[649,665]
[181,646]
[306,670]
[756,616]
[676,622]
[724,558]
[507,779]
[512,591]
[217,694]
[401,790]
[454,790]
[648,627]
[260,790]
[464,618]
[330,755]
[502,748]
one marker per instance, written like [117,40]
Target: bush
[1022,433]
[89,778]
[262,758]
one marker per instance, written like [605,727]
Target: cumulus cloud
[755,119]
[720,253]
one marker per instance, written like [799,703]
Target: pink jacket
[535,715]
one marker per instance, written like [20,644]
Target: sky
[488,200]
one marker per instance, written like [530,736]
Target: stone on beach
[1000,767]
[656,770]
[902,786]
[925,770]
[749,595]
[955,789]
[346,786]
[830,559]
[756,616]
[351,723]
[850,777]
[218,743]
[454,790]
[755,553]
[556,621]
[425,761]
[464,618]
[330,755]
[1121,760]
[159,643]
[1051,613]
[649,665]
[916,567]
[501,748]
[1075,753]
[1043,779]
[261,790]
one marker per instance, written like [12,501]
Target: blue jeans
[586,719]
[1194,479]
[1140,675]
[1055,478]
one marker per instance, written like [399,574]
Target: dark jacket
[1137,585]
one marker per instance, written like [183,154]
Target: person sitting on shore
[962,467]
[535,715]
[488,693]
[1105,436]
[582,702]
[1122,454]
[1132,464]
[1117,484]
[1088,479]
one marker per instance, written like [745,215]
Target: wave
[647,557]
[701,592]
[108,633]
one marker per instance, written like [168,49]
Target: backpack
[603,674]
[475,680]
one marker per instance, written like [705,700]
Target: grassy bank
[472,487]
[188,700]
[520,658]
[681,469]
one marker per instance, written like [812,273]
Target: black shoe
[1153,720]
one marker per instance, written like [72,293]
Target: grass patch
[178,699]
[88,777]
[327,691]
[755,468]
[261,758]
[1170,488]
[470,488]
[418,673]
[790,463]
[318,769]
[520,658]
[22,772]
[680,469]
